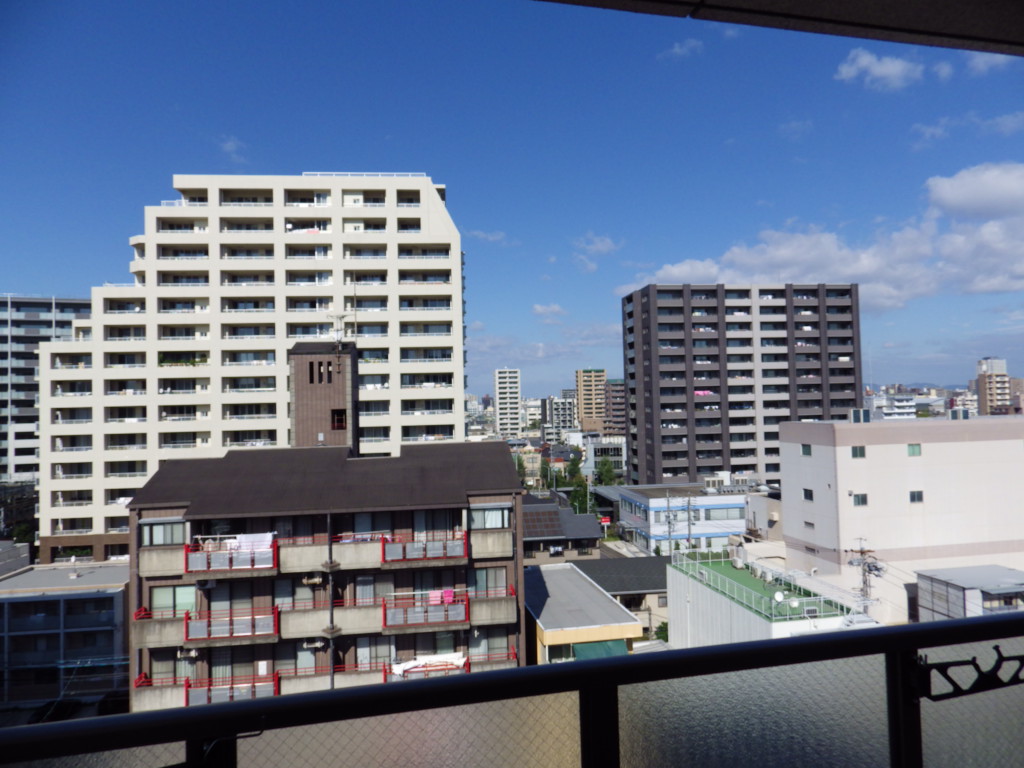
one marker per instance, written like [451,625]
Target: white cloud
[1007,125]
[475,326]
[929,134]
[982,63]
[795,130]
[988,191]
[970,239]
[549,313]
[683,50]
[880,74]
[943,70]
[233,147]
[490,237]
[589,246]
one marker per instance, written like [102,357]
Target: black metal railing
[211,734]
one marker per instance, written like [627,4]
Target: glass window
[488,518]
[860,499]
[805,450]
[914,449]
[858,451]
[487,582]
[161,534]
[167,602]
[808,494]
[916,497]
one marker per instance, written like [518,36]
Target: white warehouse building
[904,496]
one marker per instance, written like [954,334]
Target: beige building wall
[189,359]
[919,494]
[590,399]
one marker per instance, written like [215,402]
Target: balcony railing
[436,607]
[244,622]
[432,546]
[601,712]
[231,554]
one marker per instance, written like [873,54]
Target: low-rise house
[552,531]
[572,618]
[956,593]
[638,583]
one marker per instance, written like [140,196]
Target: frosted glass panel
[826,713]
[979,729]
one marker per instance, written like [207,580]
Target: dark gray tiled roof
[625,575]
[296,480]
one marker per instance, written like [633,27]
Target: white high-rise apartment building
[507,402]
[191,358]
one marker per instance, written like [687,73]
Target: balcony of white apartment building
[424,304]
[364,225]
[249,358]
[363,198]
[425,329]
[244,226]
[250,411]
[232,332]
[250,438]
[307,198]
[431,407]
[182,253]
[307,279]
[310,331]
[182,440]
[249,384]
[184,385]
[246,252]
[67,360]
[307,226]
[246,198]
[70,416]
[423,355]
[366,252]
[238,279]
[173,225]
[247,305]
[431,252]
[372,382]
[182,306]
[168,332]
[433,277]
[420,433]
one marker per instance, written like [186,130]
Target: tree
[573,470]
[661,632]
[578,497]
[520,467]
[605,473]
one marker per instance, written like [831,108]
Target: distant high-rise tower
[994,397]
[590,398]
[190,359]
[712,370]
[615,407]
[24,322]
[507,401]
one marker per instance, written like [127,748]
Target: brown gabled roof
[304,480]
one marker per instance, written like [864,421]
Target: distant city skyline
[624,149]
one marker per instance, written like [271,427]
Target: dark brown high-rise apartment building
[712,370]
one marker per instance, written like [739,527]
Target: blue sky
[585,152]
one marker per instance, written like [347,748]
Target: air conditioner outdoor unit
[773,516]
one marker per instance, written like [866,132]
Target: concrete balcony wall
[489,666]
[301,559]
[157,697]
[492,610]
[358,554]
[490,544]
[306,683]
[359,620]
[161,561]
[157,633]
[303,623]
[352,679]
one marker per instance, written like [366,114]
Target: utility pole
[869,566]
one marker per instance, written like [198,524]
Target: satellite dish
[780,596]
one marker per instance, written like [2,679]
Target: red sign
[605,520]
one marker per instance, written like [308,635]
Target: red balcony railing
[439,606]
[145,613]
[229,554]
[246,622]
[214,691]
[483,658]
[439,545]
